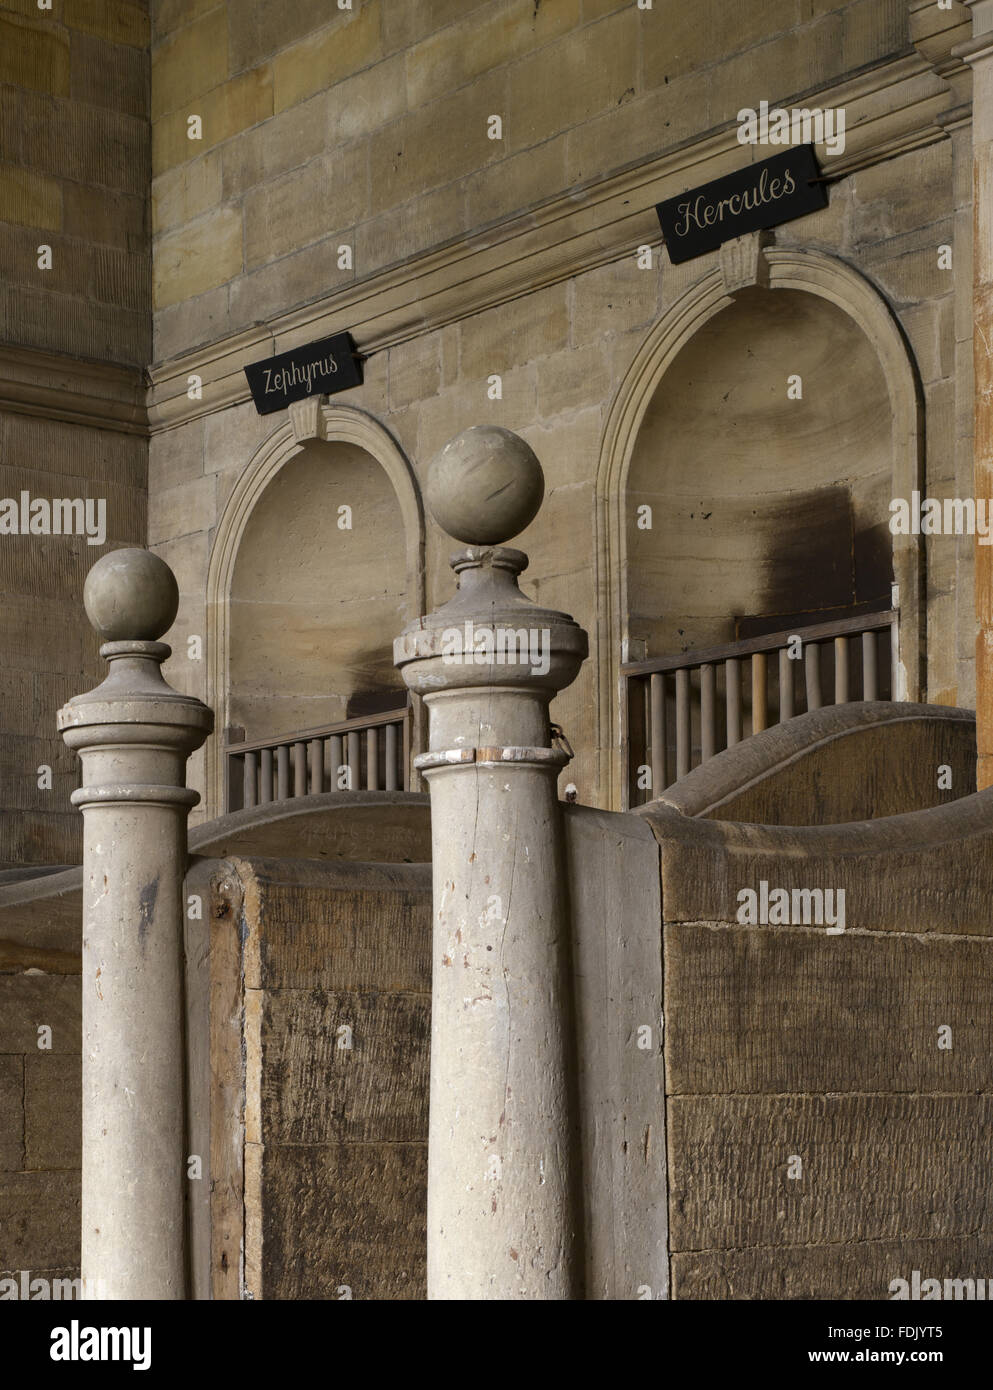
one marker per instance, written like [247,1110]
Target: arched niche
[302,612]
[797,492]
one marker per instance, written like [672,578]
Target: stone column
[504,1195]
[134,734]
[978,53]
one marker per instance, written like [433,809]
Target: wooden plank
[11,1113]
[875,1167]
[613,882]
[364,1209]
[886,770]
[317,1084]
[326,945]
[227,1090]
[340,926]
[781,1011]
[927,871]
[378,827]
[196,952]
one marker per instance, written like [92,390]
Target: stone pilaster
[134,734]
[978,53]
[503,1180]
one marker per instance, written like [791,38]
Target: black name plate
[763,195]
[315,370]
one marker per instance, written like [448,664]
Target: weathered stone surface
[182,510]
[340,927]
[514,334]
[193,61]
[41,923]
[363,1208]
[523,180]
[175,457]
[30,199]
[429,219]
[860,1269]
[11,1113]
[196,259]
[561,86]
[109,74]
[33,837]
[284,214]
[35,1002]
[343,1158]
[290,280]
[436,144]
[191,323]
[75,140]
[52,1111]
[458,53]
[381,827]
[792,774]
[39,1220]
[785,1011]
[617,965]
[338,1067]
[403,25]
[180,195]
[937,857]
[875,1167]
[414,371]
[258,28]
[227,109]
[34,55]
[320,60]
[168,15]
[100,455]
[111,219]
[123,21]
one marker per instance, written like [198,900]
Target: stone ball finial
[485,485]
[131,596]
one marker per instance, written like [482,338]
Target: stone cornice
[58,387]
[893,108]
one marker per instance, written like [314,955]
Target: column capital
[131,598]
[485,486]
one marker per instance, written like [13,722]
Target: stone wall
[368,125]
[74,170]
[50,651]
[74,340]
[40,1121]
[518,258]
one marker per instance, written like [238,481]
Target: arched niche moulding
[309,421]
[797,269]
